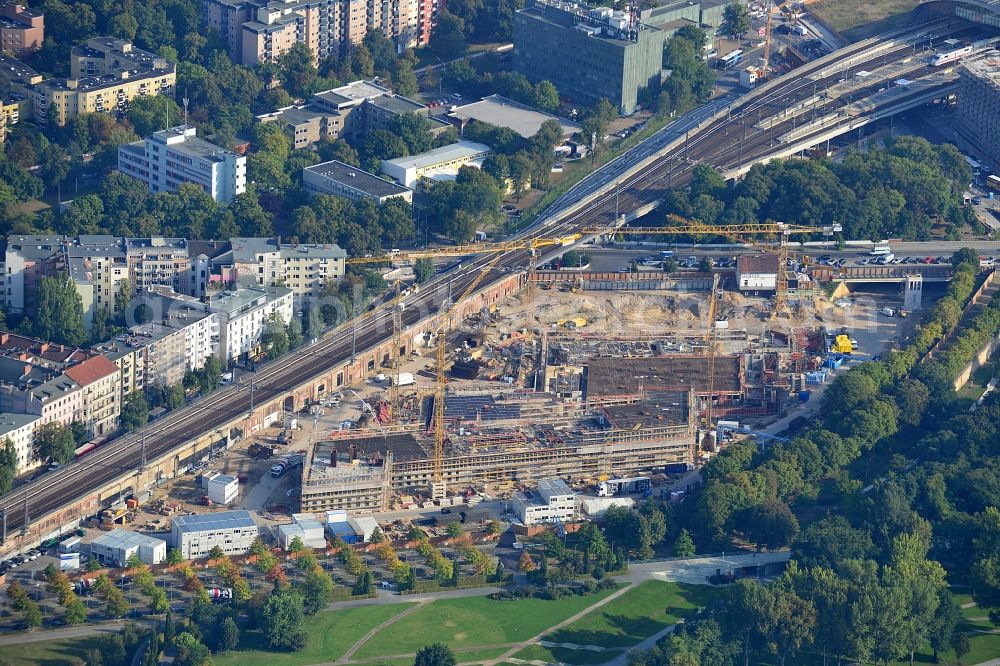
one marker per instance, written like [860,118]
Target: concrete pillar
[913,292]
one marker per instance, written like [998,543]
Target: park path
[570,620]
[364,639]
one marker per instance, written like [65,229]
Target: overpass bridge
[721,134]
[876,274]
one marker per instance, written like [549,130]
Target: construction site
[570,383]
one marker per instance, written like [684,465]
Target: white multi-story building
[170,157]
[20,429]
[179,336]
[102,398]
[553,501]
[243,316]
[195,536]
[443,161]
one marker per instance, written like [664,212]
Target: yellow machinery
[842,344]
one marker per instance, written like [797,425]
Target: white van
[880,249]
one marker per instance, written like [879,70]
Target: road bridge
[721,134]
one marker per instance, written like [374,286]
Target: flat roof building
[757,272]
[589,53]
[306,527]
[343,180]
[169,158]
[105,75]
[116,547]
[502,112]
[232,531]
[551,502]
[408,171]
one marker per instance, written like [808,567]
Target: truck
[71,545]
[880,249]
[677,468]
[220,594]
[611,487]
[286,463]
[84,585]
[888,312]
[405,379]
[993,183]
[842,344]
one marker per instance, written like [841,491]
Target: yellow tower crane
[437,487]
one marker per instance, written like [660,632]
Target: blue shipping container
[803,396]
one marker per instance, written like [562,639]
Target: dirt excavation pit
[602,312]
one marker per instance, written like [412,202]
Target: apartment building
[26,388]
[19,430]
[304,267]
[179,336]
[22,29]
[27,260]
[105,75]
[102,399]
[346,112]
[343,180]
[258,31]
[174,156]
[130,360]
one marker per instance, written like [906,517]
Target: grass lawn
[566,656]
[636,615]
[331,633]
[473,656]
[49,653]
[859,19]
[473,621]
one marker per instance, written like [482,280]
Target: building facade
[305,268]
[258,31]
[757,272]
[168,158]
[232,531]
[979,108]
[117,546]
[101,382]
[22,29]
[409,171]
[589,53]
[19,430]
[105,75]
[343,180]
[551,502]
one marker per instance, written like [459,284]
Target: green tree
[174,556]
[282,620]
[770,525]
[190,651]
[961,645]
[151,113]
[54,441]
[448,36]
[298,72]
[59,313]
[423,269]
[75,613]
[135,411]
[227,636]
[454,530]
[8,466]
[684,545]
[437,654]
[275,337]
[735,20]
[317,591]
[546,97]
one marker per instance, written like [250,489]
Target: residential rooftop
[214,521]
[503,112]
[356,178]
[10,421]
[453,151]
